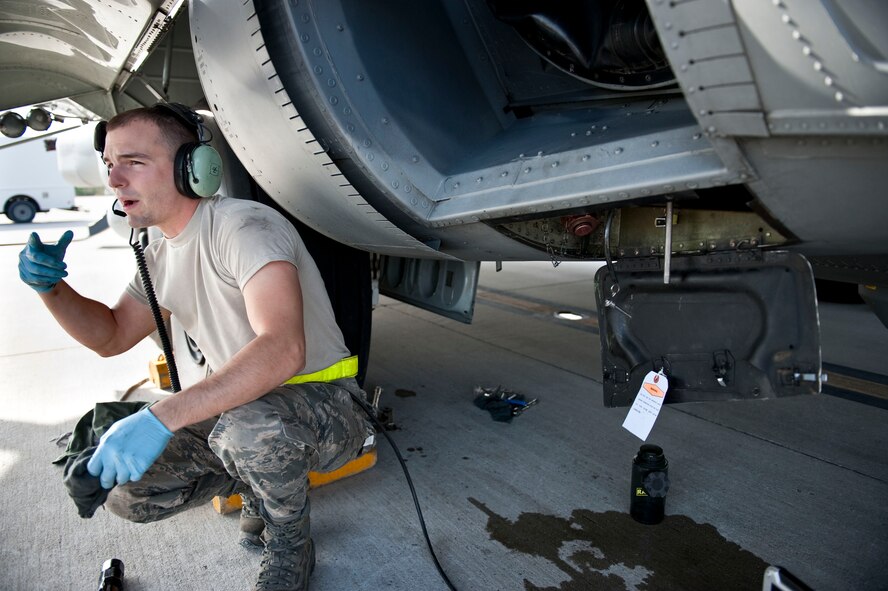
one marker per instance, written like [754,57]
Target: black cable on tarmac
[369,412]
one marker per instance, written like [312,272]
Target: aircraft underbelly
[268,135]
[826,190]
[402,132]
[461,130]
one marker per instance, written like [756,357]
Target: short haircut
[173,130]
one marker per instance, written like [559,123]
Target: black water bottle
[111,578]
[650,483]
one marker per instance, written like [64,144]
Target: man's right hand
[42,266]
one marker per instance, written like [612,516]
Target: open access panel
[727,326]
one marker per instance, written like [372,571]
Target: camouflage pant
[267,446]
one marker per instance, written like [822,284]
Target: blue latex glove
[42,265]
[129,448]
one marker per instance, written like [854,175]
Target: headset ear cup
[205,176]
[180,170]
[99,135]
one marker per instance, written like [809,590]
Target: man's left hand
[129,448]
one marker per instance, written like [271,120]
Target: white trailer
[30,180]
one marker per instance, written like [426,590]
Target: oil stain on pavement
[612,552]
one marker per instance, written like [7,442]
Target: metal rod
[167,65]
[607,253]
[668,254]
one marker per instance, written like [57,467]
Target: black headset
[197,167]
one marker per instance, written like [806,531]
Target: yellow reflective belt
[346,368]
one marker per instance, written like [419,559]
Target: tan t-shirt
[199,276]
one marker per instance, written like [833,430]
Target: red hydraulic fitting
[581,225]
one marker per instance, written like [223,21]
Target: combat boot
[251,524]
[289,557]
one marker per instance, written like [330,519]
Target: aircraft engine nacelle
[79,162]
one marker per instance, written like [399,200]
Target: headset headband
[187,117]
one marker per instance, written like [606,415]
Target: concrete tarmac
[540,503]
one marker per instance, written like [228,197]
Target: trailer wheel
[21,209]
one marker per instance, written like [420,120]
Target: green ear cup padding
[205,171]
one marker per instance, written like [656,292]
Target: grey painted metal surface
[271,139]
[432,129]
[789,70]
[446,287]
[52,50]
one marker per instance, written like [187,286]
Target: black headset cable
[155,311]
